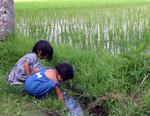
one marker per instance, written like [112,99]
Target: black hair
[45,47]
[65,70]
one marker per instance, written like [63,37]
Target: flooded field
[116,29]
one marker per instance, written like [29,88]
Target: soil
[98,110]
[51,114]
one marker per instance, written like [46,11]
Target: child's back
[48,79]
[39,84]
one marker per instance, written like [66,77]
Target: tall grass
[97,74]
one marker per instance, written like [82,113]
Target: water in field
[112,29]
[72,105]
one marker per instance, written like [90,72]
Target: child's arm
[59,94]
[27,68]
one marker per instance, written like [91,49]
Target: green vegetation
[115,26]
[107,43]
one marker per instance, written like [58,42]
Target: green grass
[54,7]
[70,3]
[98,73]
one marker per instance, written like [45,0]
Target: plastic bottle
[73,107]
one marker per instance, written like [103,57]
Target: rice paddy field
[107,42]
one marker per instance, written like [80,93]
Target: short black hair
[45,47]
[65,70]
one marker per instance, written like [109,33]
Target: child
[24,67]
[47,79]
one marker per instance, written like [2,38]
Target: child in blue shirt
[24,67]
[47,80]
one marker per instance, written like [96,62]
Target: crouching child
[47,80]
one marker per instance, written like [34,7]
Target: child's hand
[65,109]
[35,70]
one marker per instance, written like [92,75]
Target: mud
[51,114]
[87,104]
[98,111]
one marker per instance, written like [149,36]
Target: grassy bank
[98,75]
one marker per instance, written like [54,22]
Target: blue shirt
[38,84]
